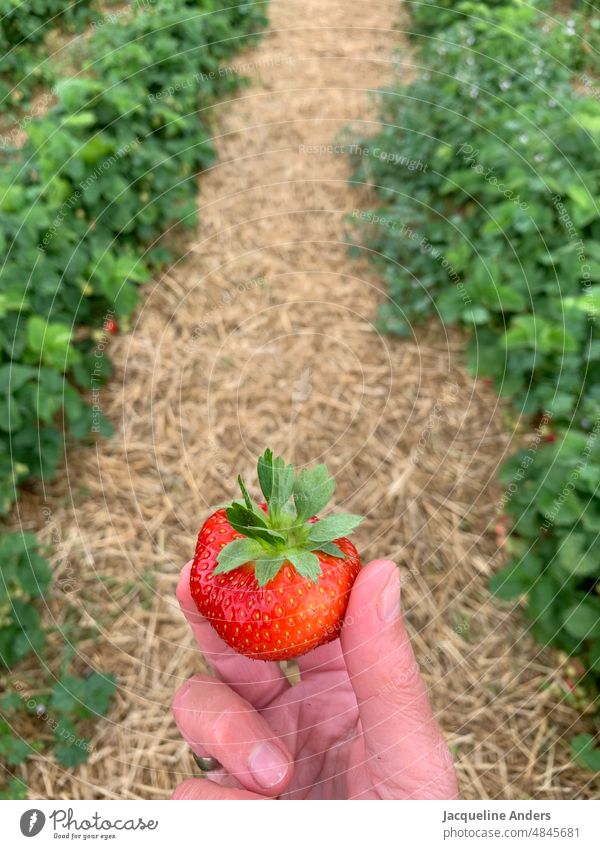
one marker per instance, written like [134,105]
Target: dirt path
[263,334]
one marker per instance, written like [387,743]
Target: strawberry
[111,326]
[273,579]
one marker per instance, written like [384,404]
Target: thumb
[404,747]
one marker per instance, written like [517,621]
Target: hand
[357,726]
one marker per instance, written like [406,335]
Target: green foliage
[553,502]
[23,28]
[285,530]
[61,716]
[13,750]
[16,789]
[106,170]
[83,698]
[24,576]
[73,700]
[487,171]
[582,748]
[435,18]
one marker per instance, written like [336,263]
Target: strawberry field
[214,239]
[508,225]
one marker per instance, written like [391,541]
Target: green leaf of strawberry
[252,525]
[267,568]
[237,553]
[327,548]
[284,531]
[333,527]
[312,491]
[305,563]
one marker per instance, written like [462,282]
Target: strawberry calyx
[287,530]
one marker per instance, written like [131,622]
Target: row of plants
[495,227]
[108,169]
[23,30]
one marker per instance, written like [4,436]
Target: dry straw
[263,335]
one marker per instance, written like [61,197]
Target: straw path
[263,335]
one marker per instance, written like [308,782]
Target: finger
[203,788]
[327,658]
[257,681]
[213,719]
[403,741]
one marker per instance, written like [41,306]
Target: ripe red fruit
[111,326]
[272,579]
[549,437]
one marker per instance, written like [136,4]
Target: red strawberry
[111,326]
[270,578]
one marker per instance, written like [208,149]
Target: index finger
[257,681]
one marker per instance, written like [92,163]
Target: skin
[357,726]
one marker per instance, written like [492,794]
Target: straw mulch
[263,335]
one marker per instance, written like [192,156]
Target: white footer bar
[291,825]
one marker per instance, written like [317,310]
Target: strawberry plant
[73,701]
[105,171]
[23,28]
[498,231]
[24,577]
[435,18]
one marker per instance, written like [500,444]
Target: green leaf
[305,563]
[10,417]
[51,342]
[10,701]
[83,697]
[13,750]
[282,484]
[584,752]
[83,119]
[516,578]
[248,501]
[328,548]
[265,473]
[510,299]
[276,480]
[313,489]
[251,524]
[334,527]
[14,375]
[249,504]
[267,568]
[237,553]
[98,690]
[69,749]
[577,557]
[16,789]
[583,620]
[594,656]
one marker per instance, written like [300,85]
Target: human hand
[357,726]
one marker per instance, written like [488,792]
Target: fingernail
[268,765]
[389,599]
